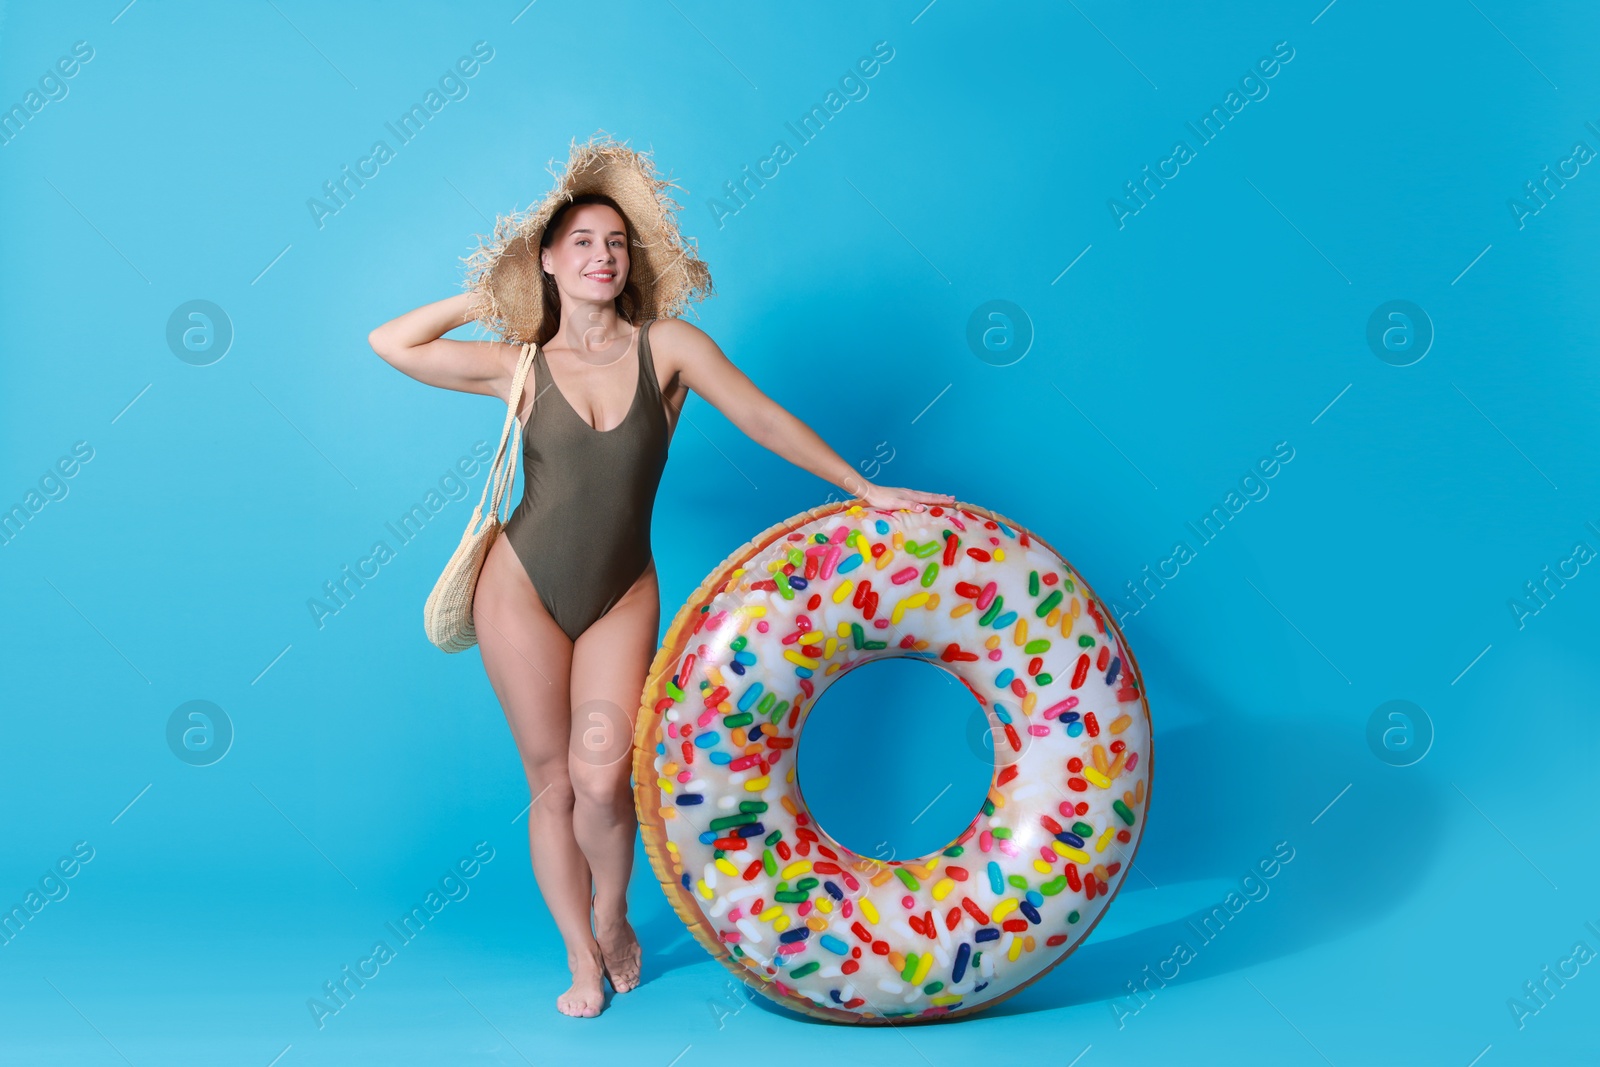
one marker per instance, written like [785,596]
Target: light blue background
[1228,315]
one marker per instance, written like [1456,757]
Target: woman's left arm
[705,369]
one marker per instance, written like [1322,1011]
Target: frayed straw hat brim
[504,272]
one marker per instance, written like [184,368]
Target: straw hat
[505,273]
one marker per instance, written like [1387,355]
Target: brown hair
[628,302]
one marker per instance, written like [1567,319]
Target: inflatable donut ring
[805,921]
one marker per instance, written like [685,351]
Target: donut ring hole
[894,759]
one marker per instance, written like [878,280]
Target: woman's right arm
[415,345]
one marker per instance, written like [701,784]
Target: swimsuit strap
[540,380]
[647,365]
[539,367]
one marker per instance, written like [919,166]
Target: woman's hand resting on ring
[878,496]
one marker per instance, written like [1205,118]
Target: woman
[567,606]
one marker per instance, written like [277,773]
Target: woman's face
[589,256]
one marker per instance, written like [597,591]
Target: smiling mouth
[603,276]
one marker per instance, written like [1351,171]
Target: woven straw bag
[447,615]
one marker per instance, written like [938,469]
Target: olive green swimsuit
[582,528]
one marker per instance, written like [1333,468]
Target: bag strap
[508,468]
[507,474]
[510,431]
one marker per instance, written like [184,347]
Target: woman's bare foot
[620,952]
[621,955]
[586,998]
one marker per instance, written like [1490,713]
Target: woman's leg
[609,663]
[528,660]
